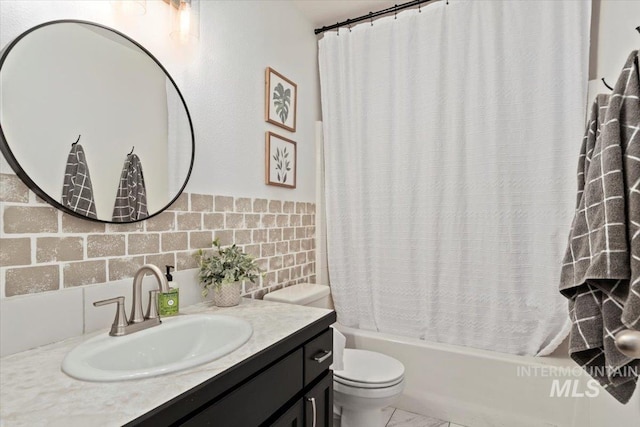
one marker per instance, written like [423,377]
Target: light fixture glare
[184,19]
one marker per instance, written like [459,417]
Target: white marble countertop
[35,392]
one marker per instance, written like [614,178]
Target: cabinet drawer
[268,391]
[318,355]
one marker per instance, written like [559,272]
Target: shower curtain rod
[372,15]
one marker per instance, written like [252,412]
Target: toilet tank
[309,294]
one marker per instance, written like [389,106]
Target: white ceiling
[328,12]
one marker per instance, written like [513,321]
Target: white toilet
[369,382]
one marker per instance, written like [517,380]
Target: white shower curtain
[451,143]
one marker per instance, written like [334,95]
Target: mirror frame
[15,165]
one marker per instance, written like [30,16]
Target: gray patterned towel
[77,191]
[131,199]
[601,267]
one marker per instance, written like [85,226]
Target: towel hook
[605,83]
[130,153]
[76,140]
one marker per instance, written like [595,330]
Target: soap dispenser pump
[168,302]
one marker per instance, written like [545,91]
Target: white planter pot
[227,295]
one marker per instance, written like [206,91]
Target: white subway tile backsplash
[29,321]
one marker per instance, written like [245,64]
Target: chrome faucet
[137,321]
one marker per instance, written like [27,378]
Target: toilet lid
[368,367]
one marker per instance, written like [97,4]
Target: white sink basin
[180,342]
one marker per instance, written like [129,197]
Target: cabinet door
[318,403]
[260,392]
[294,417]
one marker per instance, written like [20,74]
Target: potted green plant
[223,273]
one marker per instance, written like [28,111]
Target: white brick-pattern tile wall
[43,249]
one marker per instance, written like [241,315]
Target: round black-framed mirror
[93,123]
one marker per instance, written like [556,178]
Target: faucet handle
[152,309]
[120,321]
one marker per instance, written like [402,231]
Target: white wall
[613,37]
[221,78]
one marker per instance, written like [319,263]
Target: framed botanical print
[281,99]
[280,161]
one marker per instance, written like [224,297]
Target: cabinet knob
[322,356]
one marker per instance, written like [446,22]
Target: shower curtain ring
[395,12]
[371,18]
[338,30]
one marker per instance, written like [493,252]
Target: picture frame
[281,100]
[281,161]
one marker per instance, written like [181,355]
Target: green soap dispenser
[168,302]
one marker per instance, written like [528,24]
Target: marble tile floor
[399,418]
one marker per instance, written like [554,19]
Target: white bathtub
[479,388]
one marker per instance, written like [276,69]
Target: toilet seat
[366,385]
[368,369]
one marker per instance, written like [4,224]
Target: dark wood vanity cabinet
[319,403]
[288,384]
[316,404]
